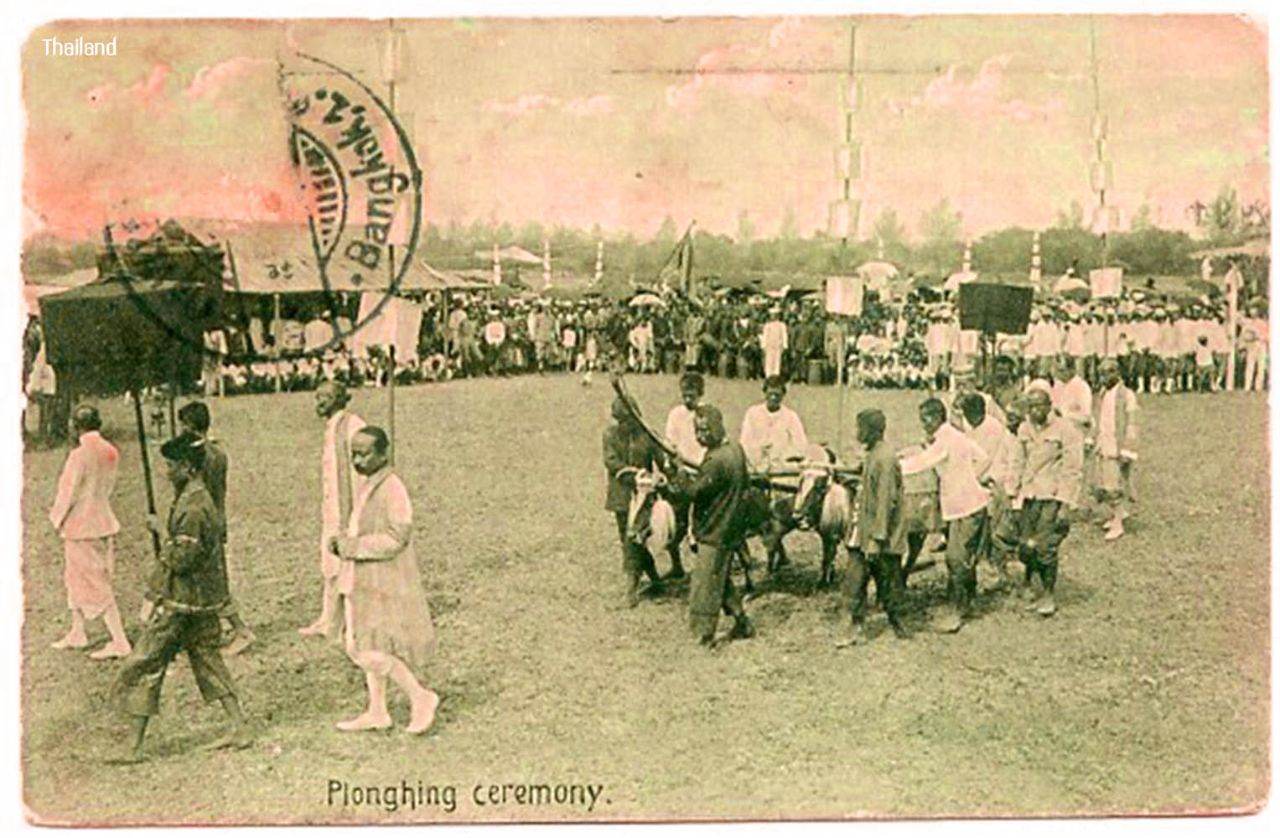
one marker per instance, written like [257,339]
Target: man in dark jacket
[717,492]
[627,448]
[881,536]
[187,588]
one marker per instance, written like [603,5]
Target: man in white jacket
[82,515]
[339,484]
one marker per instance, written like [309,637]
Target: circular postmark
[362,190]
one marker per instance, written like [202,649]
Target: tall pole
[146,465]
[393,309]
[599,261]
[1100,174]
[846,210]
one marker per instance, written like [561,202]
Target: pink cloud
[211,81]
[982,97]
[751,70]
[146,92]
[535,102]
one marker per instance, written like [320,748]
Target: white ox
[651,522]
[823,505]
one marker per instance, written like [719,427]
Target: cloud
[982,97]
[755,70]
[147,92]
[212,81]
[534,102]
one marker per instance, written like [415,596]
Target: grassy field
[1148,693]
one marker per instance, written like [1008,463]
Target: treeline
[935,250]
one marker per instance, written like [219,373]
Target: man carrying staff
[188,589]
[193,420]
[1048,460]
[716,492]
[880,537]
[682,434]
[958,461]
[82,515]
[339,482]
[627,448]
[386,626]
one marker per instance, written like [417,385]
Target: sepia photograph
[833,417]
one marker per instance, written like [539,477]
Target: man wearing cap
[386,626]
[1044,341]
[82,515]
[716,492]
[1048,461]
[880,537]
[194,420]
[937,344]
[1117,447]
[773,342]
[626,449]
[339,482]
[958,461]
[966,384]
[187,588]
[1072,397]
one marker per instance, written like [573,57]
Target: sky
[623,122]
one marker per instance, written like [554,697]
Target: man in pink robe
[82,515]
[386,629]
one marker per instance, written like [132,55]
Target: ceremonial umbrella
[645,299]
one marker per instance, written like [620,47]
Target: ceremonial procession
[473,450]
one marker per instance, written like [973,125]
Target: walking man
[1048,460]
[339,482]
[958,461]
[716,492]
[880,537]
[188,589]
[83,517]
[386,626]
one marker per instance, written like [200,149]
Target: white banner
[1105,282]
[844,295]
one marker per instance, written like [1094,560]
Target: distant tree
[1222,222]
[1072,218]
[1141,219]
[788,230]
[667,233]
[940,224]
[888,230]
[1006,251]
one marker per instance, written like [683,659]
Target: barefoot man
[386,627]
[82,515]
[339,483]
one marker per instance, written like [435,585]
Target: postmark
[362,190]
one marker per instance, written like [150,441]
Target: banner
[844,295]
[389,321]
[1105,282]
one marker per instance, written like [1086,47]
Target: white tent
[959,278]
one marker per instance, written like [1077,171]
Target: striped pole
[497,266]
[1035,257]
[546,263]
[599,260]
[968,257]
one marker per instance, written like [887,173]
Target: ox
[821,504]
[651,521]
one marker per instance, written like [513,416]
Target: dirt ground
[1147,693]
